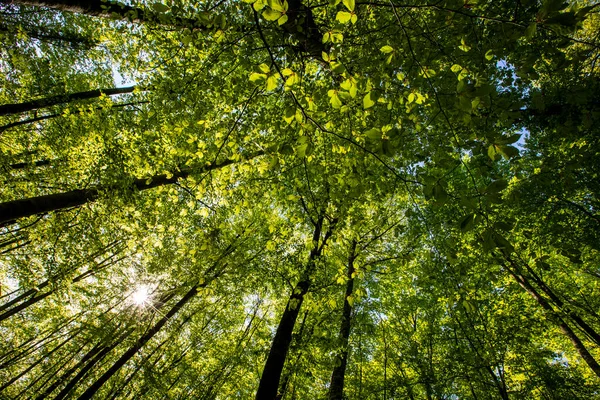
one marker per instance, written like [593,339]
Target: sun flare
[140,296]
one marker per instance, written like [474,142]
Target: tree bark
[99,354]
[50,116]
[269,381]
[18,108]
[564,327]
[89,393]
[336,386]
[106,9]
[10,211]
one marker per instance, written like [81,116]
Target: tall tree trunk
[49,116]
[336,386]
[99,354]
[89,393]
[591,332]
[39,360]
[18,108]
[10,211]
[106,9]
[564,327]
[99,266]
[269,381]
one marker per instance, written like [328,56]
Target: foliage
[449,149]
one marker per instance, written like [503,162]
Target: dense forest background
[300,199]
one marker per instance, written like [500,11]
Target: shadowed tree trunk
[50,116]
[564,327]
[18,108]
[10,211]
[89,393]
[106,9]
[336,387]
[269,381]
[24,304]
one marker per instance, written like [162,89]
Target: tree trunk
[269,381]
[32,292]
[99,354]
[89,393]
[591,332]
[336,387]
[18,108]
[10,211]
[106,9]
[566,329]
[49,116]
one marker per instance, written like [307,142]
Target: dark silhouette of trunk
[98,354]
[564,327]
[10,211]
[105,9]
[34,343]
[103,264]
[18,108]
[292,371]
[336,386]
[39,360]
[23,165]
[269,381]
[36,298]
[71,39]
[590,332]
[49,116]
[89,393]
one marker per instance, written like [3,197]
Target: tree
[294,199]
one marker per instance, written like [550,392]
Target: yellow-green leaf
[343,16]
[350,4]
[255,77]
[264,68]
[368,100]
[272,82]
[271,15]
[282,20]
[386,49]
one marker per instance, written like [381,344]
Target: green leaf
[369,100]
[492,153]
[271,15]
[289,114]
[334,99]
[497,186]
[463,45]
[439,194]
[259,4]
[264,68]
[386,49]
[350,4]
[278,6]
[489,55]
[373,133]
[466,223]
[160,8]
[272,82]
[508,152]
[343,17]
[530,31]
[256,77]
[282,20]
[508,139]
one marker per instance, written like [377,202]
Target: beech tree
[297,199]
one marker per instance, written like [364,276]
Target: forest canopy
[300,199]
